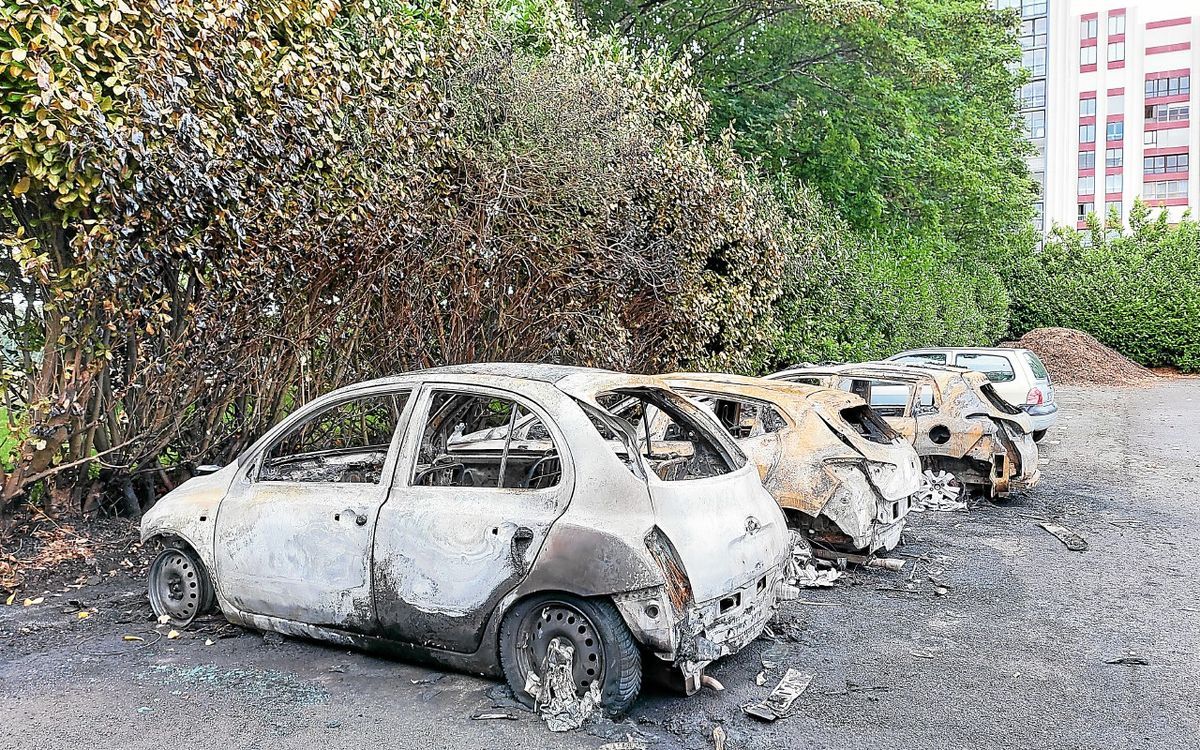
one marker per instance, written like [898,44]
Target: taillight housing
[1034,397]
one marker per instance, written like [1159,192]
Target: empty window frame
[473,439]
[673,438]
[741,418]
[1165,164]
[1171,86]
[344,443]
[890,398]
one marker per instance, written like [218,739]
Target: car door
[891,399]
[293,535]
[473,499]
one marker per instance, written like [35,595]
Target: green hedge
[1136,289]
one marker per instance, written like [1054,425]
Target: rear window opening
[677,444]
[867,423]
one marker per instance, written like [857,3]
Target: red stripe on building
[1167,125]
[1169,22]
[1167,74]
[1163,176]
[1163,48]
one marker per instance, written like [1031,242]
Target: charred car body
[411,515]
[967,436]
[841,474]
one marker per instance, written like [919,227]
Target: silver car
[408,515]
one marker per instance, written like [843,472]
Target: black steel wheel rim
[552,620]
[175,587]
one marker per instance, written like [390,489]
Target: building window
[1033,33]
[1033,95]
[1114,157]
[1112,206]
[1034,61]
[1164,189]
[1035,124]
[1087,55]
[1116,104]
[1173,86]
[1087,28]
[1165,164]
[1031,8]
[1116,25]
[1113,183]
[1116,51]
[1115,131]
[1166,138]
[1087,159]
[1087,133]
[1006,4]
[1167,112]
[1087,107]
[1039,215]
[1085,208]
[1087,185]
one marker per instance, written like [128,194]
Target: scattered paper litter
[779,703]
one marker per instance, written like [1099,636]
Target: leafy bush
[214,217]
[1136,290]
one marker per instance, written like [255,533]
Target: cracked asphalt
[1014,655]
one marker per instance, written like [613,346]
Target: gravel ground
[1013,656]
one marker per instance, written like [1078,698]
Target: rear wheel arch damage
[179,584]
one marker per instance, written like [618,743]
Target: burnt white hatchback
[493,518]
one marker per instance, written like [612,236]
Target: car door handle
[521,539]
[359,518]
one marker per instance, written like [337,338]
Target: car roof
[775,391]
[885,370]
[962,349]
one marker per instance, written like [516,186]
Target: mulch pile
[39,553]
[1077,358]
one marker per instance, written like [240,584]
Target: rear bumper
[1042,416]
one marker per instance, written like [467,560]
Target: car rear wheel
[602,648]
[1038,435]
[179,586]
[940,490]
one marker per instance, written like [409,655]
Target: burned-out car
[967,436]
[486,517]
[843,476]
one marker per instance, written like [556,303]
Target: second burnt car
[489,518]
[842,475]
[967,436]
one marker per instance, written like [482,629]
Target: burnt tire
[179,586]
[1038,435]
[528,627]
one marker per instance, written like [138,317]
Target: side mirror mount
[204,469]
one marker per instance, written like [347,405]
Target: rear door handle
[521,540]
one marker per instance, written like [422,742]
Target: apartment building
[1109,105]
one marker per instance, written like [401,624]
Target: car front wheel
[600,645]
[179,586]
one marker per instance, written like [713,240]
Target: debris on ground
[555,697]
[718,736]
[779,703]
[711,683]
[488,715]
[804,570]
[629,743]
[870,561]
[39,553]
[1131,661]
[1077,358]
[1073,541]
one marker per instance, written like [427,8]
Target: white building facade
[1109,105]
